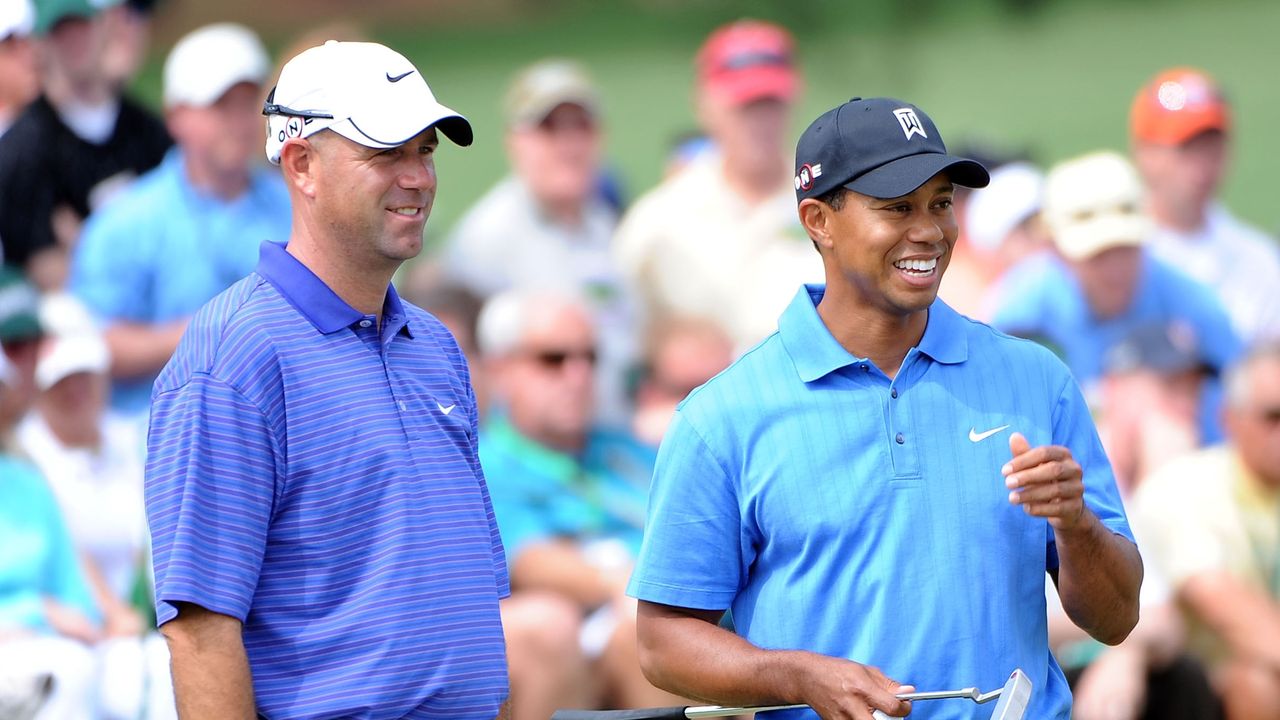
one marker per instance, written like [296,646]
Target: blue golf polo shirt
[1044,299]
[837,511]
[317,479]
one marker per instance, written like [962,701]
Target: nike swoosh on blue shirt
[975,436]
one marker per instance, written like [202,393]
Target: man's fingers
[884,696]
[1018,444]
[1069,490]
[1051,472]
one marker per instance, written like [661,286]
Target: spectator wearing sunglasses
[1210,522]
[569,497]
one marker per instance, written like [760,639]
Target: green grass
[1053,81]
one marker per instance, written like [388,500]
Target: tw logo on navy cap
[880,147]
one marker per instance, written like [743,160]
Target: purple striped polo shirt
[319,481]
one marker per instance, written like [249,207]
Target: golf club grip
[663,713]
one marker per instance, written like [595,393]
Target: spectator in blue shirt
[569,496]
[878,488]
[48,618]
[1102,287]
[191,227]
[324,544]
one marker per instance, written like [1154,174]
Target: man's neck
[566,213]
[882,337]
[1179,217]
[76,435]
[753,184]
[363,287]
[63,91]
[570,444]
[223,185]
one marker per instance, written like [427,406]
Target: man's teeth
[406,211]
[921,266]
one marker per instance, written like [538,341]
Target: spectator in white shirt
[1181,129]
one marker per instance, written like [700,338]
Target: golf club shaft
[716,711]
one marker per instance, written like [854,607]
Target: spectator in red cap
[727,220]
[1181,127]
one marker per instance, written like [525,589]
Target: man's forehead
[936,185]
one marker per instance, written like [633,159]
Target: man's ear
[815,216]
[298,162]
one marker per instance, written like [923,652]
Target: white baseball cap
[365,92]
[208,62]
[1093,203]
[73,344]
[17,18]
[1013,195]
[70,354]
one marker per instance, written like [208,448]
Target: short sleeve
[692,554]
[210,488]
[1073,428]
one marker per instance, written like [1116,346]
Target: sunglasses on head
[555,359]
[270,107]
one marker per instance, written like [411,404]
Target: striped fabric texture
[318,479]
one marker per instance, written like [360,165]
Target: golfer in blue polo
[324,543]
[878,488]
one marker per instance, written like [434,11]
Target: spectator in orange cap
[727,220]
[1181,126]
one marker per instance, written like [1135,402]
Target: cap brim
[902,176]
[389,133]
[758,83]
[1083,240]
[538,110]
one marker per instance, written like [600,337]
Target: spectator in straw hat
[1104,286]
[547,225]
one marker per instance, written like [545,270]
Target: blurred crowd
[587,316]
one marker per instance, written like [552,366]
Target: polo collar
[320,305]
[816,353]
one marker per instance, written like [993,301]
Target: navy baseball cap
[880,147]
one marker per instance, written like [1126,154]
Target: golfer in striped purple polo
[324,542]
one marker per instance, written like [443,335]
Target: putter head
[1014,697]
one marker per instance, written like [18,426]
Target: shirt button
[366,323]
[403,406]
[894,393]
[899,438]
[864,368]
